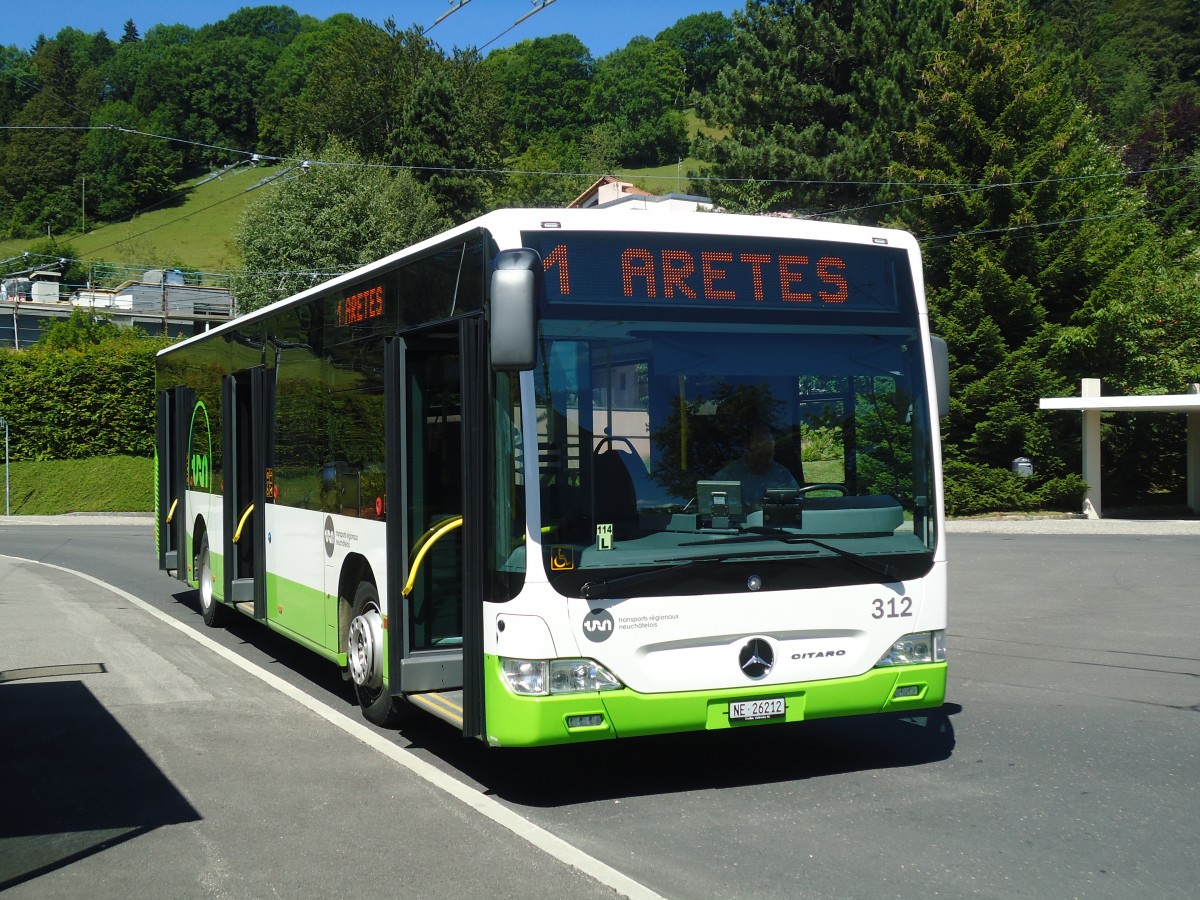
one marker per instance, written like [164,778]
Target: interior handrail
[242,522]
[428,539]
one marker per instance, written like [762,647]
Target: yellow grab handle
[242,522]
[428,539]
[171,513]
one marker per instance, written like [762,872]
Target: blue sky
[602,25]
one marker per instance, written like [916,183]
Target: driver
[757,469]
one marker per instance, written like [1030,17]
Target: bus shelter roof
[1092,404]
[1147,403]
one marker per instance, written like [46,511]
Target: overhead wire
[961,189]
[540,5]
[958,187]
[303,165]
[300,165]
[449,13]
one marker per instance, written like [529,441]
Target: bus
[487,476]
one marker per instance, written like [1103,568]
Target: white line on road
[484,805]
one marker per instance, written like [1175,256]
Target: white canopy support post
[1193,455]
[1090,387]
[1093,405]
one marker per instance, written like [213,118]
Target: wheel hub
[204,577]
[364,651]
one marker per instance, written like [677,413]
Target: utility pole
[4,422]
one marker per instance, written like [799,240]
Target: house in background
[609,191]
[157,301]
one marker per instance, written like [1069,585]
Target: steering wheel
[612,444]
[825,486]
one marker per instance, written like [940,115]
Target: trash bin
[1022,466]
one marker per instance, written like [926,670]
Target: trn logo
[330,536]
[598,625]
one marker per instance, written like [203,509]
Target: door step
[246,606]
[446,705]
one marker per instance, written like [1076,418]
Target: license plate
[751,710]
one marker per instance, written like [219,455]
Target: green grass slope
[196,231]
[673,177]
[100,484]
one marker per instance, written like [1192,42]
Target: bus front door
[246,401]
[174,414]
[435,459]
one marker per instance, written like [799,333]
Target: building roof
[604,190]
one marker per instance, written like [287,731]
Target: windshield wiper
[755,533]
[603,588]
[593,589]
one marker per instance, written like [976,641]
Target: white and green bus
[490,475]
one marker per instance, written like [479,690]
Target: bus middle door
[246,399]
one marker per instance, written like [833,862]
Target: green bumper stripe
[514,721]
[303,613]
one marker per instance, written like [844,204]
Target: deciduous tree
[341,213]
[641,91]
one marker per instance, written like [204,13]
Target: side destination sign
[646,269]
[361,305]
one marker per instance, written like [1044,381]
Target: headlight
[525,676]
[538,677]
[569,676]
[922,647]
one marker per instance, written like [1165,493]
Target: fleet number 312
[892,608]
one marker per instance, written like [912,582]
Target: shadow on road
[76,782]
[610,770]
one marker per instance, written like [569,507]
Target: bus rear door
[174,415]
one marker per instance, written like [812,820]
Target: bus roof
[505,227]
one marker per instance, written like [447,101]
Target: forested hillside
[1045,153]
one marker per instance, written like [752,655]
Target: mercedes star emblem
[756,658]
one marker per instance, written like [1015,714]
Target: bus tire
[364,659]
[211,608]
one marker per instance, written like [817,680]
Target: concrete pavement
[1076,525]
[139,763]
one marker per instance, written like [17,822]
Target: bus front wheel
[364,659]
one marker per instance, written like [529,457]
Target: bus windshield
[683,449]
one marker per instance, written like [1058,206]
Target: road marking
[484,805]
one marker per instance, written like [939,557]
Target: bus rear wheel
[212,610]
[364,659]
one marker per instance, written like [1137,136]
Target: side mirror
[513,317]
[941,374]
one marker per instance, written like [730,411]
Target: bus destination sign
[360,306]
[707,270]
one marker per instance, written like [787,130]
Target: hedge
[97,400]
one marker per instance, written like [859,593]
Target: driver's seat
[614,490]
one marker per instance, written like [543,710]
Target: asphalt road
[1065,765]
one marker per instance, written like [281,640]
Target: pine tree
[813,100]
[1030,234]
